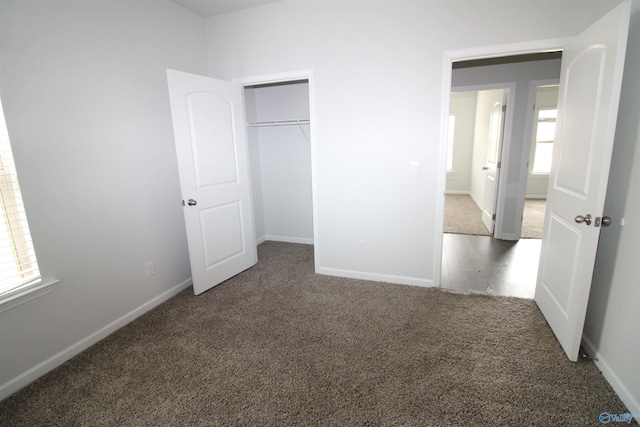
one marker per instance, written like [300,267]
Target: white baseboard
[288,239]
[618,386]
[476,201]
[260,240]
[56,360]
[388,278]
[536,196]
[456,192]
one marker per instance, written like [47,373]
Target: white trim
[505,151]
[289,77]
[449,57]
[526,155]
[260,240]
[477,203]
[614,380]
[56,360]
[387,278]
[287,239]
[484,86]
[458,192]
[508,49]
[43,287]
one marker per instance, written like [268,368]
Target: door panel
[211,147]
[590,80]
[211,119]
[232,234]
[579,138]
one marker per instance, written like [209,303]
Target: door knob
[606,221]
[485,168]
[192,202]
[586,219]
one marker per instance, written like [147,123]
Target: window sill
[37,290]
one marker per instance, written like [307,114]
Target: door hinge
[493,217]
[504,108]
[183,203]
[499,165]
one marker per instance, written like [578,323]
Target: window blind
[18,264]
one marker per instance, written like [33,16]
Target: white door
[590,81]
[491,167]
[210,139]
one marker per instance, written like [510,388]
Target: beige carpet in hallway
[463,216]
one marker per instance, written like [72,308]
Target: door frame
[509,91]
[528,143]
[292,76]
[451,56]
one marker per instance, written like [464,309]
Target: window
[18,265]
[451,133]
[545,133]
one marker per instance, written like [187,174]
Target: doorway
[279,112]
[477,262]
[476,124]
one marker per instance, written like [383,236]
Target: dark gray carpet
[280,346]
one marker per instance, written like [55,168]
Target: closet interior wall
[280,161]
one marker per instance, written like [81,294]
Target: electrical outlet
[151,268]
[362,247]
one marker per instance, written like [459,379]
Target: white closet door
[211,146]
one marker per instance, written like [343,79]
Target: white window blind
[18,264]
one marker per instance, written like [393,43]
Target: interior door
[211,146]
[491,167]
[590,81]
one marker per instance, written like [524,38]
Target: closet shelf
[280,123]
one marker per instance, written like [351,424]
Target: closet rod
[280,123]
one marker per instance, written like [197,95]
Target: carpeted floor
[462,216]
[533,218]
[279,345]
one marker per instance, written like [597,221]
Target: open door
[491,168]
[590,81]
[211,146]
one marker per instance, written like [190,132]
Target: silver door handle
[606,221]
[192,202]
[586,219]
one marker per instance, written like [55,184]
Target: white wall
[85,96]
[613,318]
[514,163]
[281,162]
[463,107]
[378,78]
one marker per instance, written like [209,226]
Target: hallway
[482,264]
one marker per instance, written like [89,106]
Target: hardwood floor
[484,264]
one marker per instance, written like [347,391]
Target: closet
[278,131]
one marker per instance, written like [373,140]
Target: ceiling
[206,8]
